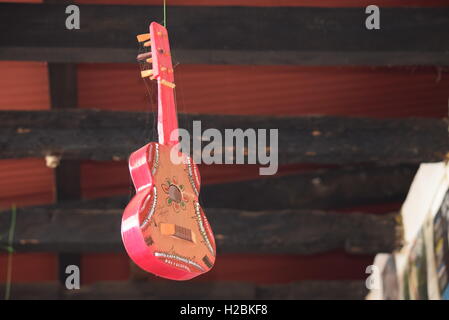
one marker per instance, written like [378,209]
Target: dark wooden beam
[229,35]
[106,135]
[94,226]
[315,290]
[319,189]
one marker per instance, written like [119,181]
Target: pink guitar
[164,228]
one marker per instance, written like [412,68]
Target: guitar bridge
[170,229]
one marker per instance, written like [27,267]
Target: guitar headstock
[159,55]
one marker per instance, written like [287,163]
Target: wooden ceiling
[218,89]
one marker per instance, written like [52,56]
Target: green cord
[10,249]
[165,14]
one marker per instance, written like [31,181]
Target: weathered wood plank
[229,35]
[106,135]
[315,290]
[319,189]
[94,226]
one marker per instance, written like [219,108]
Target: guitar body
[164,229]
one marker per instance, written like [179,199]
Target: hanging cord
[10,251]
[165,14]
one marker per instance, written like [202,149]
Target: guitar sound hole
[174,193]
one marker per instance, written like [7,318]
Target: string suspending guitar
[164,228]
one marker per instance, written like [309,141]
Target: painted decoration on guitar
[164,228]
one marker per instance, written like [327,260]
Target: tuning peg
[143,37]
[146,73]
[144,56]
[147,44]
[168,84]
[150,60]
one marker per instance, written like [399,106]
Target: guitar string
[184,118]
[180,108]
[183,122]
[188,122]
[148,132]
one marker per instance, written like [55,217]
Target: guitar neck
[167,122]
